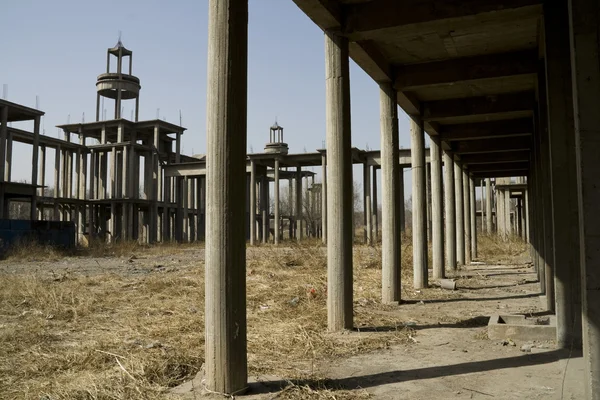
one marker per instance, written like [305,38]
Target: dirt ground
[432,346]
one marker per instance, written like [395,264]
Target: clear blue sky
[55,50]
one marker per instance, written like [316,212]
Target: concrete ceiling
[468,67]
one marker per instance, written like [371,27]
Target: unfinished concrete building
[503,88]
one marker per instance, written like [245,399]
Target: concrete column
[340,188]
[482,204]
[375,207]
[3,137]
[390,190]
[544,143]
[401,204]
[508,213]
[428,200]
[563,176]
[252,203]
[437,209]
[42,176]
[264,207]
[276,201]
[467,214]
[299,205]
[367,213]
[323,198]
[419,204]
[460,223]
[500,214]
[226,359]
[488,206]
[450,210]
[8,163]
[472,205]
[585,63]
[526,212]
[34,164]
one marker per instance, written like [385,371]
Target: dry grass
[135,332]
[493,249]
[34,251]
[66,335]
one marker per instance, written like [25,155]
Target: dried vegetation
[132,335]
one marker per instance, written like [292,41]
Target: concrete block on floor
[519,327]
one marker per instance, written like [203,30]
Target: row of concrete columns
[225,248]
[303,219]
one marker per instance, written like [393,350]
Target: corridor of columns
[506,91]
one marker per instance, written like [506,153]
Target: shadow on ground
[399,376]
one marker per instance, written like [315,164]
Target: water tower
[118,85]
[276,144]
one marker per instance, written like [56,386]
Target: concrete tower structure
[118,85]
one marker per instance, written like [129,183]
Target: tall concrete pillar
[437,209]
[276,201]
[368,215]
[3,137]
[323,198]
[544,142]
[375,207]
[460,222]
[226,360]
[252,203]
[419,204]
[264,207]
[488,206]
[401,199]
[472,205]
[585,63]
[467,214]
[526,213]
[450,209]
[500,213]
[299,204]
[34,165]
[428,200]
[340,186]
[563,176]
[508,222]
[390,191]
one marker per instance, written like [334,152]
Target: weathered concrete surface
[449,209]
[225,306]
[519,327]
[563,177]
[419,205]
[390,192]
[437,210]
[340,186]
[585,63]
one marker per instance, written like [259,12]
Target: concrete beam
[499,166]
[513,103]
[414,76]
[493,158]
[500,174]
[384,14]
[487,130]
[491,145]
